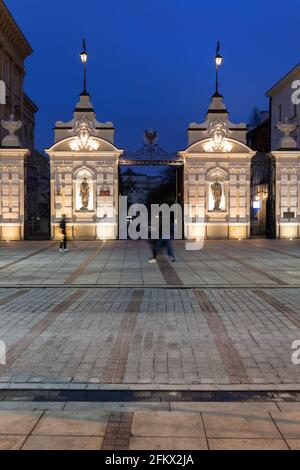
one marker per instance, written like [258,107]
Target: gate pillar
[84,176]
[12,183]
[287,184]
[217,177]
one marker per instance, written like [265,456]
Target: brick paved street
[171,340]
[247,263]
[101,318]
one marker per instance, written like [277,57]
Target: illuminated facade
[84,176]
[285,147]
[84,173]
[217,177]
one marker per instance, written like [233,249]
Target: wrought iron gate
[263,192]
[37,197]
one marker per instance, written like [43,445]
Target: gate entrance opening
[37,197]
[262,201]
[151,176]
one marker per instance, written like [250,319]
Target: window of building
[280,113]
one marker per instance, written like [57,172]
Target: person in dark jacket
[163,242]
[63,242]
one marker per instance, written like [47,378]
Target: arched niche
[84,190]
[217,192]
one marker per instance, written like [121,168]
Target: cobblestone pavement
[249,263]
[154,426]
[149,337]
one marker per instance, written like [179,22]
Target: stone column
[194,199]
[287,194]
[287,184]
[239,202]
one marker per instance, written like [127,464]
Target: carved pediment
[85,132]
[218,143]
[86,143]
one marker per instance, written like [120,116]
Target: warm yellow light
[84,57]
[219,60]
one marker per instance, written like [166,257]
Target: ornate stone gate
[84,176]
[217,177]
[84,164]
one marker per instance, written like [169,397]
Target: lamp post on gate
[218,61]
[84,58]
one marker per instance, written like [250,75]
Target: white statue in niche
[85,194]
[217,192]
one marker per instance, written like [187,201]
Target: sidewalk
[140,426]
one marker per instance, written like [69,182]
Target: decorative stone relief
[218,132]
[84,128]
[287,128]
[12,126]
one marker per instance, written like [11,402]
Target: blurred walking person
[167,242]
[63,241]
[164,241]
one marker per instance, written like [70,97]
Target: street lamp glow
[84,57]
[219,60]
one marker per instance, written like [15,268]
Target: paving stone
[119,406]
[167,443]
[28,406]
[289,407]
[294,444]
[62,443]
[72,423]
[18,422]
[288,424]
[11,442]
[237,425]
[247,444]
[243,408]
[160,424]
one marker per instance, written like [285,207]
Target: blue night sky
[151,62]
